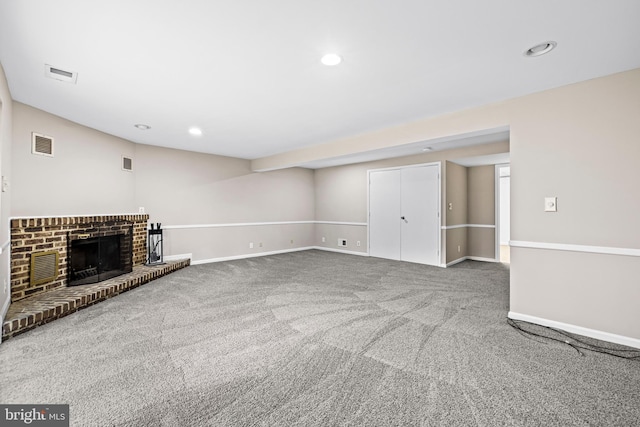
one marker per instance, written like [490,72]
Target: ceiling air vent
[41,144]
[60,74]
[127,164]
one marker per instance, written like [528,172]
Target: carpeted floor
[315,339]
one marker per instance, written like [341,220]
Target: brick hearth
[37,303]
[34,235]
[44,307]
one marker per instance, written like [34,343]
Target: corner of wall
[455,213]
[6,121]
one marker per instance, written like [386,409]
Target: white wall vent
[127,164]
[60,74]
[41,144]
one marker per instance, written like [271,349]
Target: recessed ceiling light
[142,127]
[331,59]
[195,131]
[427,149]
[540,49]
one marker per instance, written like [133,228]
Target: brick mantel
[40,234]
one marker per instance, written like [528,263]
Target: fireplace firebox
[99,253]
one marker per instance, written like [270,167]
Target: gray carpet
[315,339]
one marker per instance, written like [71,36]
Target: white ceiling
[248,72]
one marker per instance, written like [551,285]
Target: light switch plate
[550,204]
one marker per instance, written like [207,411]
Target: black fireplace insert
[99,254]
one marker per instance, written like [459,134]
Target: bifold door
[404,219]
[384,214]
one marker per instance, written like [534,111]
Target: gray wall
[456,211]
[471,193]
[578,143]
[183,189]
[6,109]
[341,196]
[85,175]
[481,185]
[180,189]
[457,194]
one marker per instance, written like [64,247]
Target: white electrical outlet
[358,243]
[342,242]
[458,248]
[323,239]
[251,245]
[141,210]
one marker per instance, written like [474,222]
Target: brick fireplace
[51,236]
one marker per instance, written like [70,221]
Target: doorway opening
[503,212]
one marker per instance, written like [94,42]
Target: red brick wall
[32,235]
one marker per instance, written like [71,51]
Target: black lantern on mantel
[154,243]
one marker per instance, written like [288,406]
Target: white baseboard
[5,246]
[5,308]
[245,256]
[259,254]
[456,261]
[470,258]
[177,257]
[592,333]
[342,251]
[321,248]
[3,313]
[478,258]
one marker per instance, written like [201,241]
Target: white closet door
[384,214]
[420,227]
